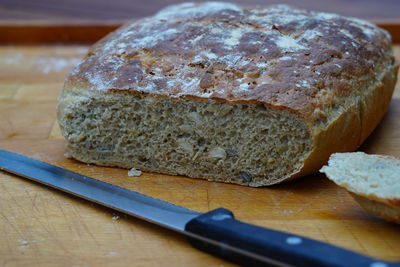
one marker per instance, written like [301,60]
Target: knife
[216,232]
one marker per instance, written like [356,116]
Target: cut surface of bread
[252,96]
[217,141]
[373,180]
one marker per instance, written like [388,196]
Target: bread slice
[252,96]
[373,181]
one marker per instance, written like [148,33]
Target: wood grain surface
[43,227]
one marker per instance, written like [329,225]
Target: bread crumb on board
[134,172]
[23,243]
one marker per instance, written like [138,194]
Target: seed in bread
[251,96]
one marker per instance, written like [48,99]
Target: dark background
[128,9]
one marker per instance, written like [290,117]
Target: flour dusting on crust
[277,55]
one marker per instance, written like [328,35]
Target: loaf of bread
[373,181]
[252,96]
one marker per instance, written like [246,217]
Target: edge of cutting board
[16,32]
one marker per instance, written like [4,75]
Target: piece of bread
[240,95]
[373,181]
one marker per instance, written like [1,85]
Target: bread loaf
[252,96]
[373,181]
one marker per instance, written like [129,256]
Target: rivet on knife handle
[266,246]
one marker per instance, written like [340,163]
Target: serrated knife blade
[216,232]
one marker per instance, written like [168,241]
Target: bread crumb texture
[364,174]
[211,90]
[217,141]
[373,180]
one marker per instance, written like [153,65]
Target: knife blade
[216,232]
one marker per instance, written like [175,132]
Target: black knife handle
[266,247]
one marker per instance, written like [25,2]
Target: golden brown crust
[394,202]
[279,56]
[382,207]
[352,127]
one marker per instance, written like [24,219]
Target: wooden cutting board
[40,226]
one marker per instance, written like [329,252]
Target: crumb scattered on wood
[116,217]
[134,172]
[24,243]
